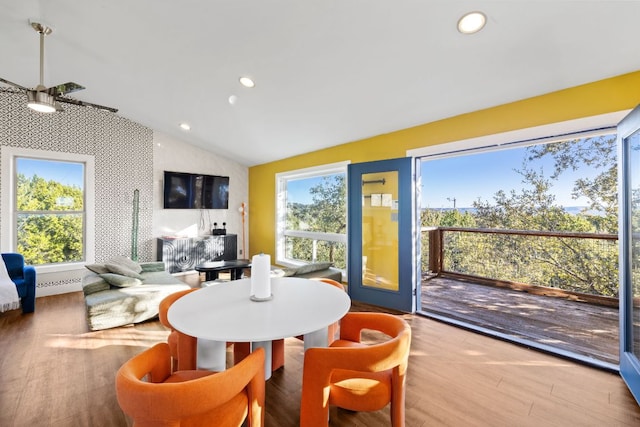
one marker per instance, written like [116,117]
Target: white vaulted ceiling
[327,72]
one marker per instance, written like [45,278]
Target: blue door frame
[628,185]
[404,298]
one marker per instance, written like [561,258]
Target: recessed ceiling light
[233,99]
[185,126]
[472,22]
[247,82]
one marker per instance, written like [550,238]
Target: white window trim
[522,137]
[8,202]
[281,200]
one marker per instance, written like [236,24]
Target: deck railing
[582,265]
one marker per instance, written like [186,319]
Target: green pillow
[120,281]
[125,262]
[309,268]
[122,270]
[95,286]
[97,268]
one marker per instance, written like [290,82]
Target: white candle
[261,276]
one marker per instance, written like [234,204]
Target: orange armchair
[332,329]
[356,376]
[183,348]
[151,395]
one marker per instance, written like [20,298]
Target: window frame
[281,210]
[8,240]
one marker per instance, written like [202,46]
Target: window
[312,216]
[47,198]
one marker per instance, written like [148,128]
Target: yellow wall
[604,96]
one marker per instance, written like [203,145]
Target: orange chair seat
[349,387]
[346,343]
[182,376]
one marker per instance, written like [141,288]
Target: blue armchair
[24,276]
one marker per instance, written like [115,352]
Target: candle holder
[256,299]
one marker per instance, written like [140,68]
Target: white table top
[224,312]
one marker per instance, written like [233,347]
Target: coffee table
[212,268]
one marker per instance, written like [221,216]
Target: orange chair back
[183,348]
[151,395]
[333,328]
[356,376]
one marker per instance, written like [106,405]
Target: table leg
[267,356]
[319,338]
[211,275]
[212,355]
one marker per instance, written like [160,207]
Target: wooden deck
[586,329]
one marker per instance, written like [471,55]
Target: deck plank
[583,328]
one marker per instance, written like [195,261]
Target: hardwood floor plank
[54,372]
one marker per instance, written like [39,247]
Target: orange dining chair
[333,328]
[356,376]
[151,395]
[183,348]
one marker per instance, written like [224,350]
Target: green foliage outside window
[327,213]
[49,221]
[575,264]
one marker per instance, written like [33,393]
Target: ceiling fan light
[41,102]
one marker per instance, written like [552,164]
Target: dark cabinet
[183,254]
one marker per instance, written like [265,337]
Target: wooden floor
[586,329]
[54,372]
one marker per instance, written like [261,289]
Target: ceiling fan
[46,100]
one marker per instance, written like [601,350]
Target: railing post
[314,250]
[435,250]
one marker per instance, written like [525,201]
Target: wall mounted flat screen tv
[195,191]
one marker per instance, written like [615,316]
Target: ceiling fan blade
[85,104]
[12,84]
[64,88]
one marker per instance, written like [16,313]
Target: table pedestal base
[212,355]
[267,356]
[319,338]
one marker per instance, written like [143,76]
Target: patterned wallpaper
[123,152]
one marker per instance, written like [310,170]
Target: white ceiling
[327,72]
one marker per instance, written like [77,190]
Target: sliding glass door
[629,185]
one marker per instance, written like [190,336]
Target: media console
[184,253]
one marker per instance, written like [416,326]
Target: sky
[66,173]
[467,178]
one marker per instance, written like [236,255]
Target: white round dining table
[224,313]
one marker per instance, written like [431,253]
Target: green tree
[570,263]
[50,222]
[601,191]
[325,214]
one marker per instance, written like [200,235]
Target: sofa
[24,276]
[121,292]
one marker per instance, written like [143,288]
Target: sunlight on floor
[93,340]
